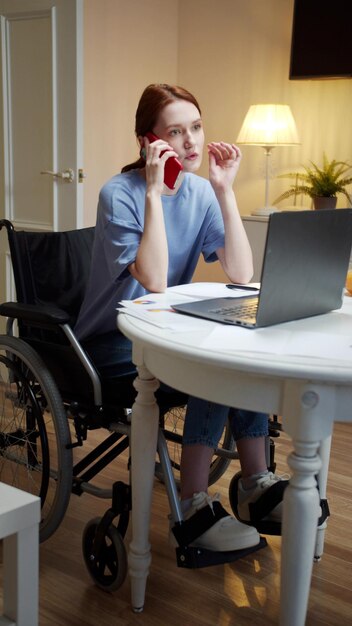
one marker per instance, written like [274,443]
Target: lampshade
[268,125]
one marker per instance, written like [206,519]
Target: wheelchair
[52,397]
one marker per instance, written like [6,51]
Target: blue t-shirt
[193,223]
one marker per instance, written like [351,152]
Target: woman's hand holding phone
[162,155]
[154,168]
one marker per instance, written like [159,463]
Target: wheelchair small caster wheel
[104,556]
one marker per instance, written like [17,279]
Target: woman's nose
[189,141]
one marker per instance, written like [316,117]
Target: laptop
[304,271]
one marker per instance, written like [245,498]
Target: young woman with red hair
[149,237]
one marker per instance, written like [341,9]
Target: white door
[41,119]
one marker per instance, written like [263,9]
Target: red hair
[153,100]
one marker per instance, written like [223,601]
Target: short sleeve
[121,217]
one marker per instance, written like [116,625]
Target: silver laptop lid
[305,264]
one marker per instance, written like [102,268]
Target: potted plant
[322,184]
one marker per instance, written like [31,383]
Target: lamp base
[267,210]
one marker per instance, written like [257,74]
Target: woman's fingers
[159,150]
[224,151]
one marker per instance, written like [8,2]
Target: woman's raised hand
[224,162]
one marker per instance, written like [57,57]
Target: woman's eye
[174,131]
[197,126]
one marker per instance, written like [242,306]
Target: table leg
[307,417]
[300,516]
[144,433]
[21,574]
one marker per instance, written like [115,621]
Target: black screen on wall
[321,45]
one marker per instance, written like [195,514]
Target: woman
[149,237]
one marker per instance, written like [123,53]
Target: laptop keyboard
[243,311]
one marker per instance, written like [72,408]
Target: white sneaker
[226,533]
[250,496]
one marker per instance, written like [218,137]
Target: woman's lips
[192,157]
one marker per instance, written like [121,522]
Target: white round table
[309,387]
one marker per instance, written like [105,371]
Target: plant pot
[324,202]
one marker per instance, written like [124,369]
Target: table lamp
[268,125]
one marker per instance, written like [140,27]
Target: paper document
[157,310]
[200,291]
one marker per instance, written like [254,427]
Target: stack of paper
[156,308]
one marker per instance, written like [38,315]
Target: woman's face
[180,124]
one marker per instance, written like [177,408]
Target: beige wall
[230,54]
[127,45]
[234,53]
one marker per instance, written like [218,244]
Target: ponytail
[136,165]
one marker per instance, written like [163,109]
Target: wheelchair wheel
[173,422]
[108,567]
[34,432]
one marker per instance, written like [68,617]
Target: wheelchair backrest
[52,267]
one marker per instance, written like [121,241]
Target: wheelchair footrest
[194,558]
[274,528]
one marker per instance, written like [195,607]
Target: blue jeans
[204,421]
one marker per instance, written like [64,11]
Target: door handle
[67,175]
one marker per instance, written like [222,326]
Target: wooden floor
[243,593]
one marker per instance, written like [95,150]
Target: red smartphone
[173,167]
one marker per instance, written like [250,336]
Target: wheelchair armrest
[52,317]
[34,313]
